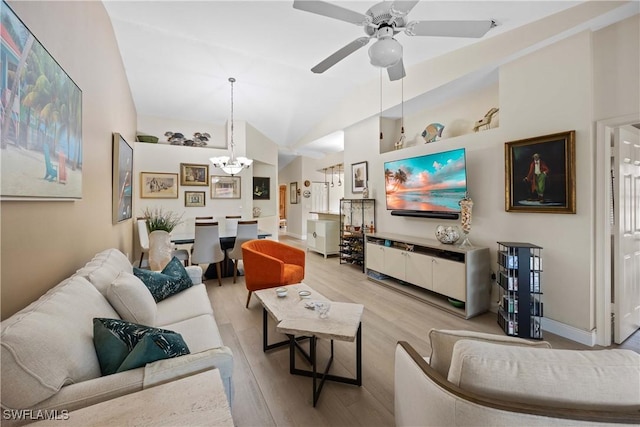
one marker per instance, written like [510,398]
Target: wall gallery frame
[192,174]
[540,174]
[359,177]
[41,120]
[293,193]
[195,199]
[225,187]
[261,188]
[122,187]
[158,185]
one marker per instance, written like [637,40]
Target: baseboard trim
[569,332]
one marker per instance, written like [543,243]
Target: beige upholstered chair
[247,230]
[143,237]
[206,246]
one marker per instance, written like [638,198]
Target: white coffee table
[298,323]
[195,400]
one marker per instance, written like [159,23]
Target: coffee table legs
[324,376]
[265,337]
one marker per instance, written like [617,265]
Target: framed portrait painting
[122,179]
[359,177]
[192,174]
[194,199]
[158,185]
[40,119]
[540,174]
[225,187]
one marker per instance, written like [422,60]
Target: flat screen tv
[432,183]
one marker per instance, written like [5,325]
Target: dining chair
[231,224]
[143,238]
[247,230]
[206,246]
[204,218]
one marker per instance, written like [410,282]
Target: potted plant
[160,223]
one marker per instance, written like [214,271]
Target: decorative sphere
[448,234]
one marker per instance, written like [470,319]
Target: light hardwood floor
[267,395]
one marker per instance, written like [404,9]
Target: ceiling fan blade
[396,72]
[402,7]
[330,10]
[340,55]
[449,28]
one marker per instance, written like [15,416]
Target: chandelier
[231,165]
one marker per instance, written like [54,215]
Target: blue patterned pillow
[122,345]
[173,279]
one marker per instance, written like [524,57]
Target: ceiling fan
[382,22]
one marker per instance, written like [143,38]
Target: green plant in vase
[159,219]
[160,223]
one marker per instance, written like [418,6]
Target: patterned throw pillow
[122,345]
[173,279]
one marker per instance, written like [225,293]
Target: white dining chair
[247,230]
[206,246]
[231,224]
[143,238]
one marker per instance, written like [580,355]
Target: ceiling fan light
[386,52]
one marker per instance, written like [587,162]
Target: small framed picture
[194,199]
[261,188]
[158,185]
[293,193]
[359,177]
[540,174]
[225,187]
[192,174]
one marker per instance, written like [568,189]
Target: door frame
[603,249]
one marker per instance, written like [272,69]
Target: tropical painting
[40,117]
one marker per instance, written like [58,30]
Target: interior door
[282,202]
[626,298]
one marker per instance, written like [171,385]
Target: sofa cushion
[200,333]
[189,303]
[172,279]
[49,343]
[132,300]
[588,379]
[442,342]
[103,269]
[115,340]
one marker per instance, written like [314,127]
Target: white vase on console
[160,249]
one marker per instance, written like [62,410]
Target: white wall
[545,92]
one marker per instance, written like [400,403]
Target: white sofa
[48,359]
[475,379]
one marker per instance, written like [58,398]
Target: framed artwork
[540,174]
[191,174]
[359,177]
[225,187]
[194,199]
[261,189]
[158,185]
[41,120]
[122,179]
[293,193]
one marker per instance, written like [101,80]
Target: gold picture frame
[195,199]
[225,187]
[540,174]
[158,185]
[194,174]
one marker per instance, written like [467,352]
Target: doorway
[282,206]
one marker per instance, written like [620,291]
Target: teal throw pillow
[172,279]
[118,342]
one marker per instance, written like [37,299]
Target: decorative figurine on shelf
[365,190]
[199,139]
[432,131]
[486,120]
[466,206]
[400,142]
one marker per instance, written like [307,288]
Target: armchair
[269,264]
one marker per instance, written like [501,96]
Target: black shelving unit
[357,218]
[520,309]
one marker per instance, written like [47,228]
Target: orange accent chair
[269,264]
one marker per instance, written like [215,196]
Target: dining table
[227,240]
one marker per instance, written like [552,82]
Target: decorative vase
[466,206]
[365,191]
[448,234]
[160,249]
[256,212]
